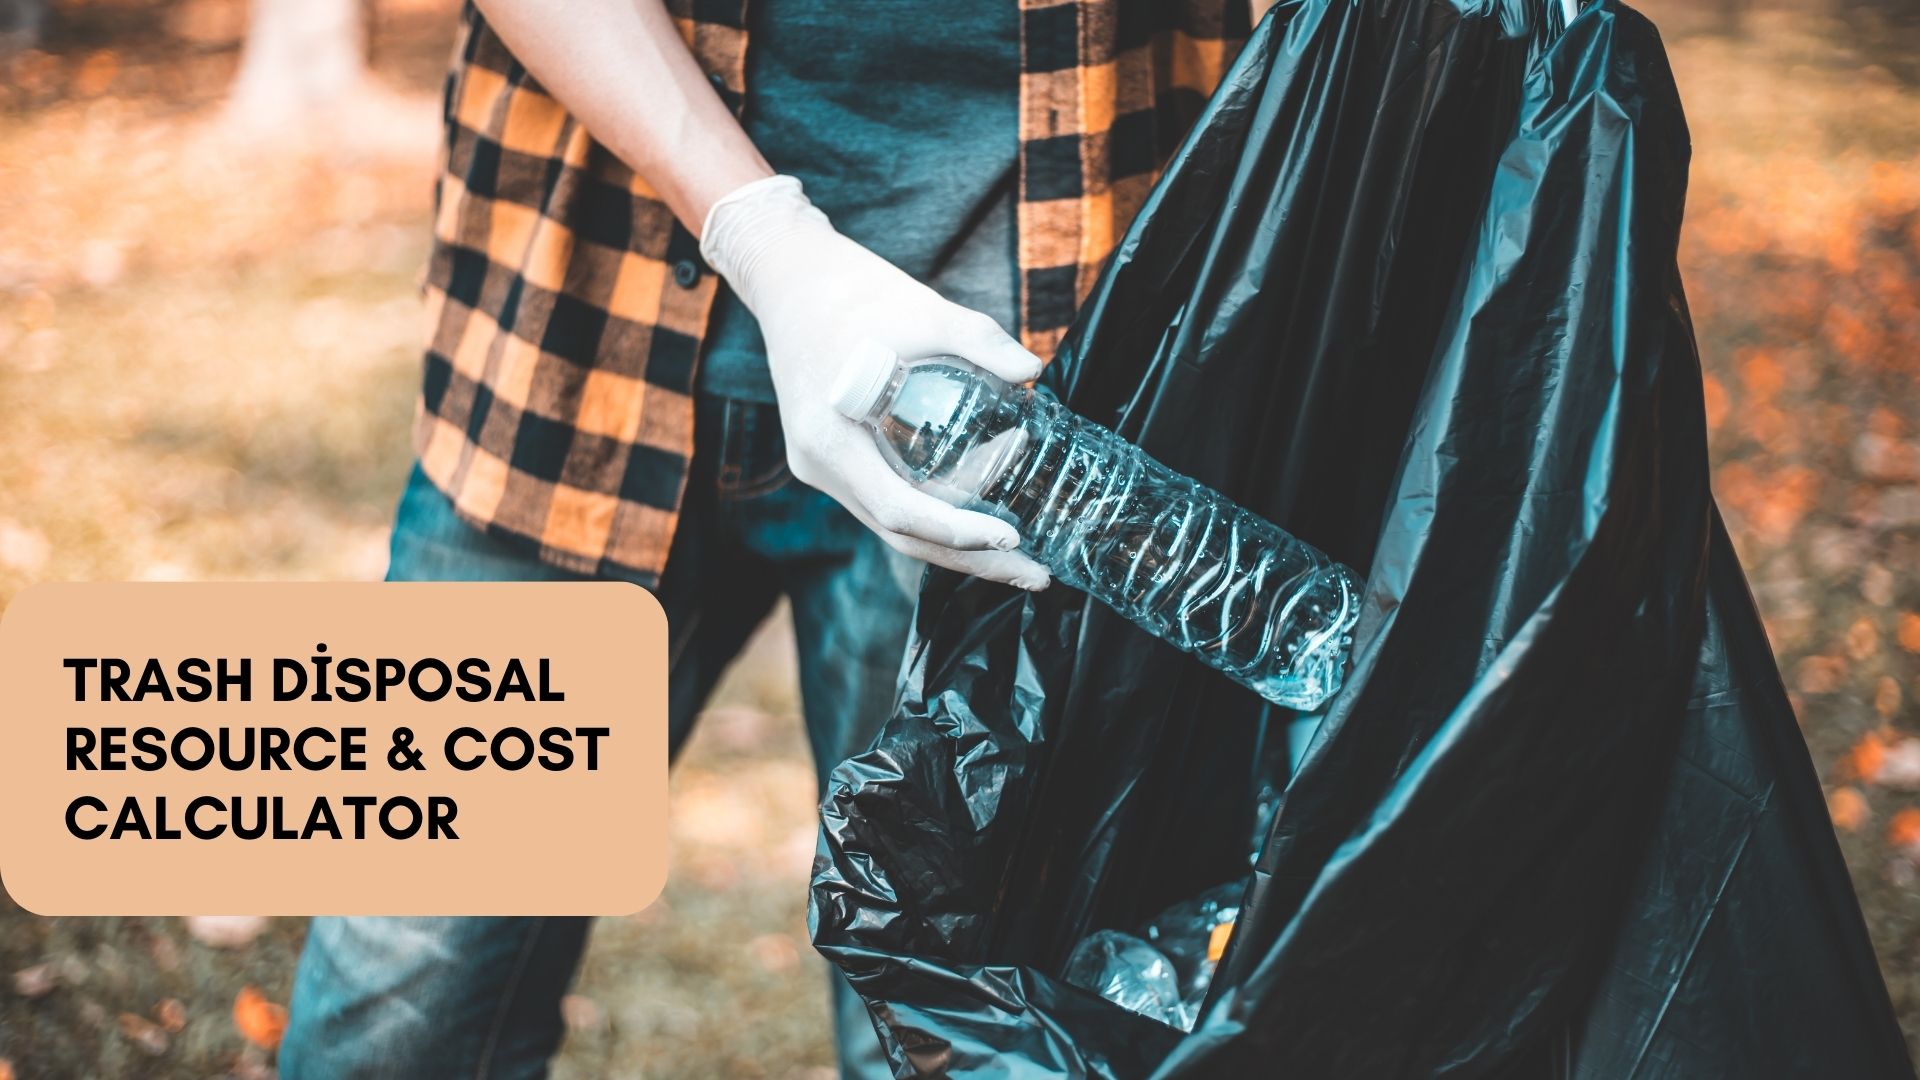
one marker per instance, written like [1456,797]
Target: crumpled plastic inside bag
[1164,971]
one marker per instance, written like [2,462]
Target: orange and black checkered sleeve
[565,309]
[1108,90]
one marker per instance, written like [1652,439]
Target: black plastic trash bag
[1408,290]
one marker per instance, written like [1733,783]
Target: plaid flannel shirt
[566,306]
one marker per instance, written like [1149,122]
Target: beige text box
[529,841]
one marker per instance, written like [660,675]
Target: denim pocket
[753,451]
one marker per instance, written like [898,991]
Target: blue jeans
[470,997]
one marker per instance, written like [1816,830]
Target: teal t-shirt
[902,122]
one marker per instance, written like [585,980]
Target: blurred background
[212,219]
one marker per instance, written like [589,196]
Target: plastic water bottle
[1177,558]
[1130,973]
[1165,970]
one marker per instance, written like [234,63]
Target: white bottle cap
[863,378]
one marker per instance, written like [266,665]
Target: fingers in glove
[1006,567]
[978,338]
[894,506]
[943,327]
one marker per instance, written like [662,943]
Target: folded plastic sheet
[1409,290]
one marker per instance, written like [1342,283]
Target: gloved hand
[818,295]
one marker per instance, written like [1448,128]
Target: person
[653,243]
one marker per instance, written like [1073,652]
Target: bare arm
[624,71]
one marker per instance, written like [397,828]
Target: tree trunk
[20,24]
[300,56]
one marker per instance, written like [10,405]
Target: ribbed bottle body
[1180,560]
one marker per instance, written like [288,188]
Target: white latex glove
[818,295]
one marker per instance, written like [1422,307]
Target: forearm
[621,68]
